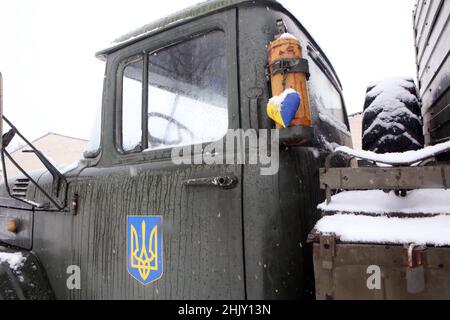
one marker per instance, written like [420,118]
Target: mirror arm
[58,177]
[5,176]
[50,167]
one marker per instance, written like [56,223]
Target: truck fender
[22,276]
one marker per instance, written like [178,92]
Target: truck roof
[195,12]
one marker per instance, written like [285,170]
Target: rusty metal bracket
[73,205]
[327,250]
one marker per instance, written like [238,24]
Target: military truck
[223,231]
[394,245]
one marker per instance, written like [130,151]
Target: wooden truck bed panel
[342,271]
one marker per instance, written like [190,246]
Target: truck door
[173,90]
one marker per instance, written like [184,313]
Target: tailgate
[350,271]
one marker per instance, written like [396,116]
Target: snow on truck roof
[183,16]
[199,10]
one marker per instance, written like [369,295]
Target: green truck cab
[229,232]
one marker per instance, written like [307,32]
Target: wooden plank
[347,280]
[436,177]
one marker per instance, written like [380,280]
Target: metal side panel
[437,118]
[279,211]
[343,271]
[202,247]
[425,27]
[202,244]
[432,28]
[16,227]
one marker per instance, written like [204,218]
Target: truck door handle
[224,182]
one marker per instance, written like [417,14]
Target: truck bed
[363,230]
[368,232]
[342,271]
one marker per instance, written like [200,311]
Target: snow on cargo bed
[433,231]
[369,217]
[408,157]
[377,202]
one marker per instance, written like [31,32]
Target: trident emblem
[144,248]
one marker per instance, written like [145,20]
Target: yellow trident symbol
[145,260]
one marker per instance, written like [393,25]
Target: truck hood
[6,201]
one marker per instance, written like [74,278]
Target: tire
[392,120]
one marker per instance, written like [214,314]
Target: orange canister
[286,68]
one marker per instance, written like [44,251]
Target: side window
[132,106]
[186,90]
[326,95]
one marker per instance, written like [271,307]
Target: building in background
[355,121]
[59,149]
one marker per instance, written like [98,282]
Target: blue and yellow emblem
[145,248]
[282,108]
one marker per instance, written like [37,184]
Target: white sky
[53,82]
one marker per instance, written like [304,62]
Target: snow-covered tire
[392,120]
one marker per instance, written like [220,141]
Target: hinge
[281,28]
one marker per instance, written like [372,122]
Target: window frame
[317,59]
[168,38]
[122,66]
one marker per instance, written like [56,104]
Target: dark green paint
[245,242]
